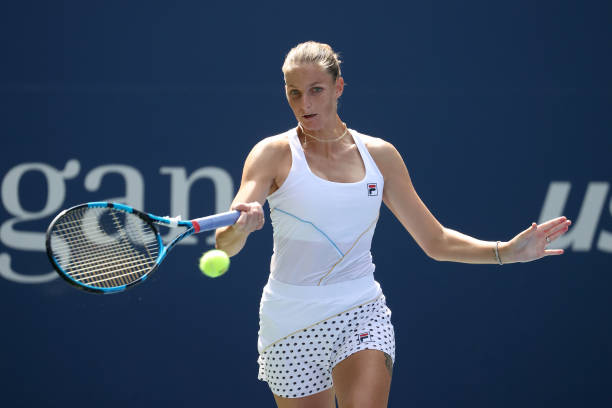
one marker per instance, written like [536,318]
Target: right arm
[259,179]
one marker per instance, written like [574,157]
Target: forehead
[303,75]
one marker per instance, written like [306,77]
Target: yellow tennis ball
[214,263]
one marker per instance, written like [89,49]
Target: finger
[243,219]
[559,227]
[556,235]
[552,223]
[256,218]
[551,236]
[557,231]
[248,222]
[549,252]
[258,211]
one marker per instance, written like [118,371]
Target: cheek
[292,105]
[331,102]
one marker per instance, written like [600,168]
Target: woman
[325,331]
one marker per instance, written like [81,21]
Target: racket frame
[192,226]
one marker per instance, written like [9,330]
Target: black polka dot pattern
[301,364]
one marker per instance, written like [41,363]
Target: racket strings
[79,242]
[104,247]
[109,261]
[114,263]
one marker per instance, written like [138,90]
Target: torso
[325,210]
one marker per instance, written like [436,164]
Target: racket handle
[215,221]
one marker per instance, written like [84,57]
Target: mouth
[310,116]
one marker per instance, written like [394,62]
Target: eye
[317,89]
[294,93]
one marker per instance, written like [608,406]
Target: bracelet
[497,253]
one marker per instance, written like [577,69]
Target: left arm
[444,244]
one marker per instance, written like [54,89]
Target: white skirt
[301,364]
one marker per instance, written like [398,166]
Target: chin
[311,125]
[310,128]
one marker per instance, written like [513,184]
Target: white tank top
[323,229]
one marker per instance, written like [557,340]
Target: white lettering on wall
[605,238]
[27,240]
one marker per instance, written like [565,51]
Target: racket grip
[215,221]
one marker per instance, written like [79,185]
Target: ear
[339,87]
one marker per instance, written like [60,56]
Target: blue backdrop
[500,110]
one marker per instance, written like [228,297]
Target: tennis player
[325,330]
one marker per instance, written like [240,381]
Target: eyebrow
[309,86]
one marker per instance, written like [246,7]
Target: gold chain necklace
[324,140]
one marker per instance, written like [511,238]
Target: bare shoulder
[273,147]
[269,161]
[376,145]
[384,153]
[269,153]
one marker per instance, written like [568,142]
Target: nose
[306,102]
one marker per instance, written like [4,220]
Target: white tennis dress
[321,266]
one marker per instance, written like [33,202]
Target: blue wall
[500,110]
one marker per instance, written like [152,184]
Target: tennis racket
[108,247]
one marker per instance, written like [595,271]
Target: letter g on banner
[27,240]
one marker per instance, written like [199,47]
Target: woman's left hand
[532,243]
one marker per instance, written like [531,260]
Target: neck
[320,139]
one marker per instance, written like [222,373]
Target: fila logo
[372,189]
[364,337]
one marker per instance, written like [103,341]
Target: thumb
[531,229]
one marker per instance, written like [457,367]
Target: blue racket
[108,247]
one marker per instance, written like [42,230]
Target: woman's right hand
[251,217]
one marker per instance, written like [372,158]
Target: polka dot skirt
[301,364]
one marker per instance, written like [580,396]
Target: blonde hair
[312,52]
